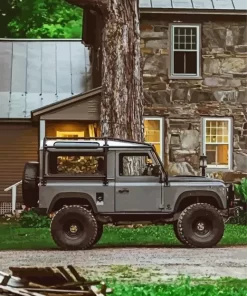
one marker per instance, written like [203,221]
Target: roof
[66,102]
[78,143]
[195,4]
[36,73]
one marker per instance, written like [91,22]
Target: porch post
[41,131]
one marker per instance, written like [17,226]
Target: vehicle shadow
[158,246]
[133,246]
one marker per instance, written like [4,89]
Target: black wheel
[201,226]
[73,228]
[98,235]
[175,229]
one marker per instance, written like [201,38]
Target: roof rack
[95,138]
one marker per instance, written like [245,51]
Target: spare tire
[30,189]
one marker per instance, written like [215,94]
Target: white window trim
[161,122]
[198,49]
[230,141]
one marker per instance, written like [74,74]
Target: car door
[136,190]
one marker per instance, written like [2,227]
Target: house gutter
[192,11]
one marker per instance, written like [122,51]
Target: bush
[241,189]
[30,219]
[240,220]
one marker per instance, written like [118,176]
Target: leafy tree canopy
[40,19]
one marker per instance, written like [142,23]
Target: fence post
[13,200]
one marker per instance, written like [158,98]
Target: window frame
[161,122]
[121,155]
[76,176]
[230,141]
[173,75]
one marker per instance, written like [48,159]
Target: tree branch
[92,4]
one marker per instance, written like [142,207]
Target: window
[138,164]
[217,142]
[153,129]
[72,163]
[88,130]
[70,134]
[185,51]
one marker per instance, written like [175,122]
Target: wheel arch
[72,198]
[198,196]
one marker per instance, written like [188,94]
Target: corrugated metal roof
[35,73]
[195,4]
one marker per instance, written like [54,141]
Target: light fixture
[203,164]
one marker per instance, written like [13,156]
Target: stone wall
[222,91]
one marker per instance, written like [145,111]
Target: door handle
[123,190]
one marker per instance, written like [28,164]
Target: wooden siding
[18,144]
[87,110]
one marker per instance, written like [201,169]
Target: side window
[139,164]
[76,163]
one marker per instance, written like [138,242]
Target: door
[137,190]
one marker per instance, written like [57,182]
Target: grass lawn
[14,237]
[184,287]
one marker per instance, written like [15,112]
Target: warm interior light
[70,134]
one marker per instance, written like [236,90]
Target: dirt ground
[155,264]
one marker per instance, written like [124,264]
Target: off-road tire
[99,234]
[178,237]
[194,216]
[77,216]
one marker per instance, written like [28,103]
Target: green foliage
[241,189]
[182,287]
[30,219]
[45,19]
[8,12]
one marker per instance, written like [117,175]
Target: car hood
[181,178]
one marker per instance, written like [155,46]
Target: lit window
[153,129]
[217,142]
[70,134]
[185,51]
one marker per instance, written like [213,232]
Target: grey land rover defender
[85,183]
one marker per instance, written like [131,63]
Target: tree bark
[122,88]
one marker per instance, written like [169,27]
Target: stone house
[195,86]
[195,81]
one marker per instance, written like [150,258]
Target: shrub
[241,189]
[30,219]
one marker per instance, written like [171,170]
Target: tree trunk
[122,89]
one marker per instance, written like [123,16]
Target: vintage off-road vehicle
[86,183]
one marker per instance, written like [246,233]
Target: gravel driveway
[157,263]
